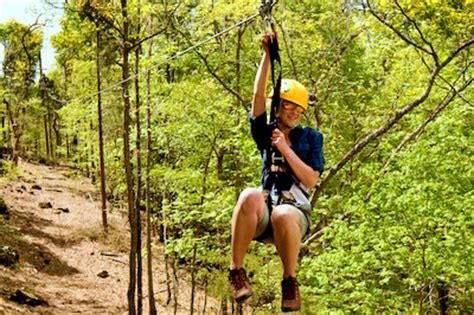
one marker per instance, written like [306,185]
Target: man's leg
[247,213]
[287,236]
[286,221]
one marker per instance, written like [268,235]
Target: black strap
[273,156]
[275,56]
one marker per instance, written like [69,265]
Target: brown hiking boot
[240,285]
[290,295]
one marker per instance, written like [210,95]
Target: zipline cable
[175,56]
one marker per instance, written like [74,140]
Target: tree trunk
[205,297]
[46,136]
[68,148]
[4,133]
[443,295]
[139,183]
[151,294]
[101,138]
[15,131]
[193,279]
[175,284]
[223,309]
[50,124]
[240,33]
[92,153]
[56,129]
[126,155]
[44,105]
[168,278]
[139,172]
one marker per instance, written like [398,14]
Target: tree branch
[361,144]
[433,52]
[447,100]
[453,88]
[396,31]
[451,85]
[290,55]
[336,59]
[321,231]
[324,75]
[457,51]
[168,20]
[210,70]
[31,28]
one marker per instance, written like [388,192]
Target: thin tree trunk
[43,105]
[238,177]
[420,303]
[175,284]
[240,33]
[92,153]
[127,163]
[4,133]
[101,137]
[56,129]
[68,149]
[223,309]
[139,172]
[139,185]
[205,298]
[15,131]
[443,296]
[37,149]
[46,137]
[50,124]
[240,309]
[151,294]
[193,279]
[168,278]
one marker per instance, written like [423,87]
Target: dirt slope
[61,253]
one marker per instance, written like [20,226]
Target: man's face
[289,113]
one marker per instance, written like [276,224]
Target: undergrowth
[115,240]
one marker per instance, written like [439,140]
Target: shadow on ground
[34,254]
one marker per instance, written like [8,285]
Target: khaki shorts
[263,223]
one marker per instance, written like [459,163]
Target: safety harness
[277,177]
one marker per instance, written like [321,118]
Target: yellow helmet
[295,92]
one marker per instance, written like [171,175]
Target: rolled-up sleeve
[316,156]
[258,128]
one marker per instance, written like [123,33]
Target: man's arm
[305,173]
[260,86]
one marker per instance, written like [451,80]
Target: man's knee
[284,215]
[250,201]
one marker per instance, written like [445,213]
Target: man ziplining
[279,212]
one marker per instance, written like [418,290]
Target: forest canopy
[392,213]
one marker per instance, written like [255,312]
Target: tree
[22,45]
[393,99]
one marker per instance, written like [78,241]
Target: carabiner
[266,13]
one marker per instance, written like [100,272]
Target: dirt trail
[60,257]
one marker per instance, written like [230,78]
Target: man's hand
[279,140]
[266,39]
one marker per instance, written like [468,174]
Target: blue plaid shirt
[306,142]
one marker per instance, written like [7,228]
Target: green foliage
[22,45]
[8,170]
[414,235]
[397,236]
